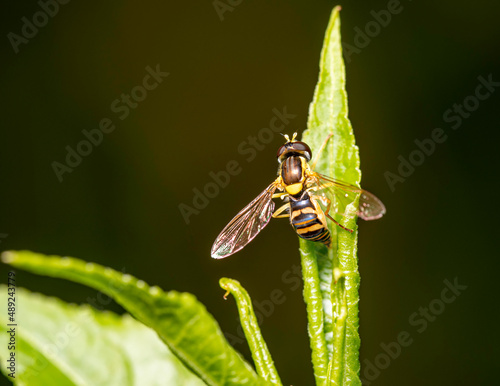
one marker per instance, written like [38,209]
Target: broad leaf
[64,344]
[182,322]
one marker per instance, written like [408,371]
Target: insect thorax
[292,172]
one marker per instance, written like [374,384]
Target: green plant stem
[258,347]
[314,303]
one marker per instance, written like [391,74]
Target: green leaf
[180,321]
[64,344]
[260,353]
[340,160]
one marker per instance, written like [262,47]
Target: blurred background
[229,67]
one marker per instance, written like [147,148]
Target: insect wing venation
[245,225]
[370,207]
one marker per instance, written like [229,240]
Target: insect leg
[316,157]
[277,213]
[326,201]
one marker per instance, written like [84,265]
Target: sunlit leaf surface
[65,344]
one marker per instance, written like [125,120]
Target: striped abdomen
[308,220]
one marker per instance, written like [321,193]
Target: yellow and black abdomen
[308,220]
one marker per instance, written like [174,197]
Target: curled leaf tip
[258,347]
[224,282]
[227,284]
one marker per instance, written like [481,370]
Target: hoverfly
[302,188]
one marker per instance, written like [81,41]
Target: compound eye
[303,148]
[280,153]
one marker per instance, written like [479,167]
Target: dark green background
[119,207]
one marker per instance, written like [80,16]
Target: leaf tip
[228,285]
[8,257]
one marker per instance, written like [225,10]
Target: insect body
[308,219]
[306,215]
[302,189]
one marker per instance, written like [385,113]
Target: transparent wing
[246,225]
[370,207]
